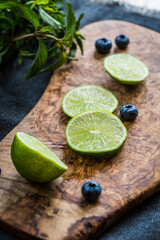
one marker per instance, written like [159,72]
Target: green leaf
[8,21]
[72,58]
[2,53]
[25,53]
[23,11]
[20,60]
[53,51]
[2,44]
[59,3]
[78,21]
[71,25]
[39,61]
[47,29]
[80,44]
[59,16]
[48,19]
[73,49]
[60,61]
[48,9]
[41,2]
[51,7]
[80,35]
[57,36]
[29,3]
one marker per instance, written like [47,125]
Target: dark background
[18,97]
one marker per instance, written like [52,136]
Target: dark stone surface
[18,97]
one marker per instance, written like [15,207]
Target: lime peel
[96,133]
[33,160]
[86,98]
[125,68]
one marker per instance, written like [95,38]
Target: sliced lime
[86,98]
[96,133]
[125,68]
[33,160]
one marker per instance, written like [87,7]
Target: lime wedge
[33,160]
[86,98]
[125,68]
[96,133]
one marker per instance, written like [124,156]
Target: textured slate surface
[17,98]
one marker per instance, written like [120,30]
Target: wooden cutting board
[56,210]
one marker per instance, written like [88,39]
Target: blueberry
[129,112]
[103,45]
[122,41]
[91,190]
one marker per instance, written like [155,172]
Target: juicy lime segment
[96,133]
[88,98]
[125,68]
[33,160]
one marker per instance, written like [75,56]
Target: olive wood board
[57,210]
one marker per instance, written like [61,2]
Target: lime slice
[33,160]
[125,68]
[86,98]
[96,133]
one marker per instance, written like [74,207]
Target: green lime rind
[33,160]
[87,98]
[96,133]
[125,68]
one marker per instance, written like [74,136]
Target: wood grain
[56,210]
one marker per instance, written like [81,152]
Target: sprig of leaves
[41,25]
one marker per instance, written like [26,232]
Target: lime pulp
[96,133]
[86,98]
[33,160]
[125,68]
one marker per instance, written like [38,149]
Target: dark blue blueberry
[91,190]
[122,41]
[103,45]
[129,112]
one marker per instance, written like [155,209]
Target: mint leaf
[71,25]
[39,61]
[20,60]
[73,50]
[23,11]
[8,22]
[54,50]
[80,35]
[25,53]
[59,62]
[41,2]
[59,3]
[3,52]
[72,58]
[78,21]
[47,29]
[2,44]
[79,42]
[55,31]
[48,19]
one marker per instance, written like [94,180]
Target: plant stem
[38,35]
[23,37]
